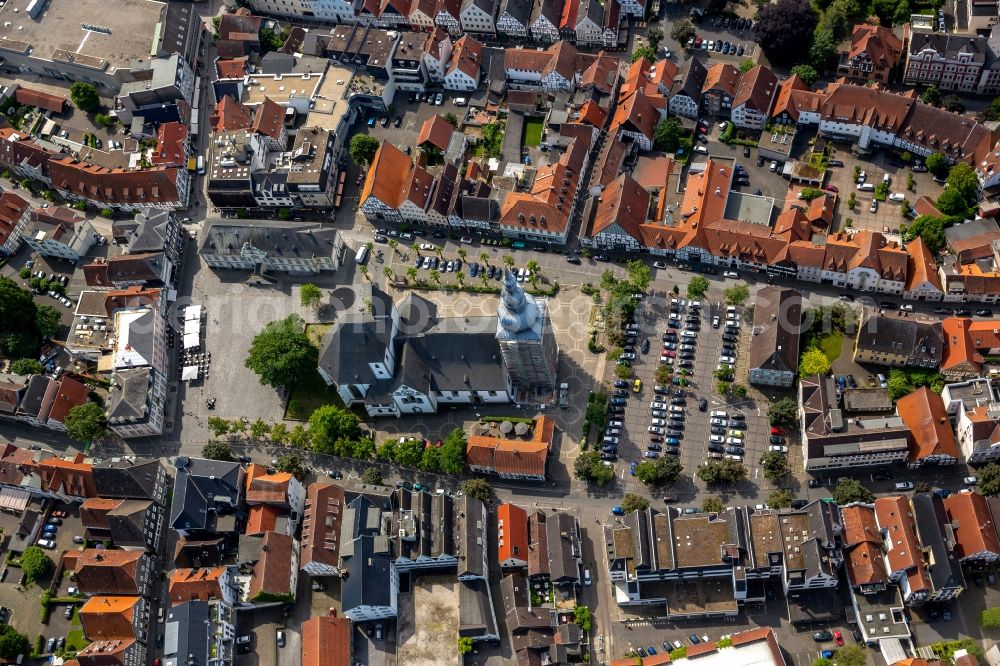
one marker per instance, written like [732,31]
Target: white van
[461,101]
[866,187]
[362,256]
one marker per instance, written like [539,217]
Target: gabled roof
[326,641]
[103,571]
[269,119]
[875,44]
[776,326]
[229,114]
[722,77]
[170,144]
[272,574]
[120,186]
[862,545]
[756,89]
[921,268]
[638,113]
[437,131]
[623,203]
[190,584]
[390,172]
[41,100]
[12,208]
[512,526]
[506,456]
[972,522]
[466,57]
[895,518]
[109,617]
[783,101]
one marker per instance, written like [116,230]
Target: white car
[732,316]
[676,409]
[780,448]
[657,422]
[46,543]
[773,166]
[686,347]
[615,424]
[721,413]
[717,439]
[718,422]
[733,441]
[727,359]
[897,197]
[970,480]
[730,274]
[657,405]
[701,149]
[628,356]
[655,430]
[428,246]
[862,177]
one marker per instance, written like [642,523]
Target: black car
[702,405]
[985,312]
[672,450]
[685,363]
[736,416]
[398,121]
[735,423]
[775,439]
[645,346]
[731,330]
[572,259]
[942,311]
[734,450]
[799,503]
[716,448]
[760,161]
[609,456]
[653,446]
[746,151]
[616,409]
[822,636]
[674,432]
[676,425]
[961,312]
[621,393]
[686,356]
[729,337]
[815,483]
[718,430]
[678,401]
[620,383]
[728,346]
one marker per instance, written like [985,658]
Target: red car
[832,188]
[839,638]
[670,353]
[670,331]
[59,514]
[775,430]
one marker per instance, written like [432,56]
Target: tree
[659,472]
[291,463]
[784,30]
[990,618]
[989,479]
[464,645]
[330,423]
[807,73]
[667,135]
[813,362]
[644,52]
[12,643]
[362,148]
[35,563]
[929,228]
[784,413]
[451,455]
[937,164]
[931,95]
[451,119]
[47,320]
[962,178]
[697,286]
[259,429]
[86,422]
[824,47]
[951,202]
[780,499]
[654,36]
[582,618]
[850,655]
[682,31]
[18,322]
[372,476]
[84,96]
[216,450]
[102,120]
[310,295]
[775,465]
[737,294]
[953,103]
[632,502]
[479,489]
[712,504]
[282,354]
[26,366]
[726,470]
[851,490]
[747,65]
[589,467]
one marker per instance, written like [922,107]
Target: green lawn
[315,333]
[75,640]
[309,394]
[830,345]
[532,132]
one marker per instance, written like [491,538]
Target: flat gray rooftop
[125,29]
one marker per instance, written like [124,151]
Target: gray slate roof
[776,326]
[520,10]
[921,341]
[187,632]
[127,399]
[564,547]
[130,478]
[202,484]
[288,239]
[690,79]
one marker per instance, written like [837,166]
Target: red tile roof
[924,414]
[171,141]
[108,617]
[324,510]
[272,573]
[262,518]
[229,114]
[12,208]
[326,641]
[41,100]
[437,131]
[723,77]
[975,531]
[269,119]
[507,456]
[921,266]
[466,56]
[191,584]
[894,516]
[390,172]
[234,68]
[756,89]
[862,545]
[879,45]
[512,525]
[108,571]
[157,185]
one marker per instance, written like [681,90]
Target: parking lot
[685,338]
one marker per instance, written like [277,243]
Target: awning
[192,326]
[191,340]
[192,312]
[189,372]
[14,500]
